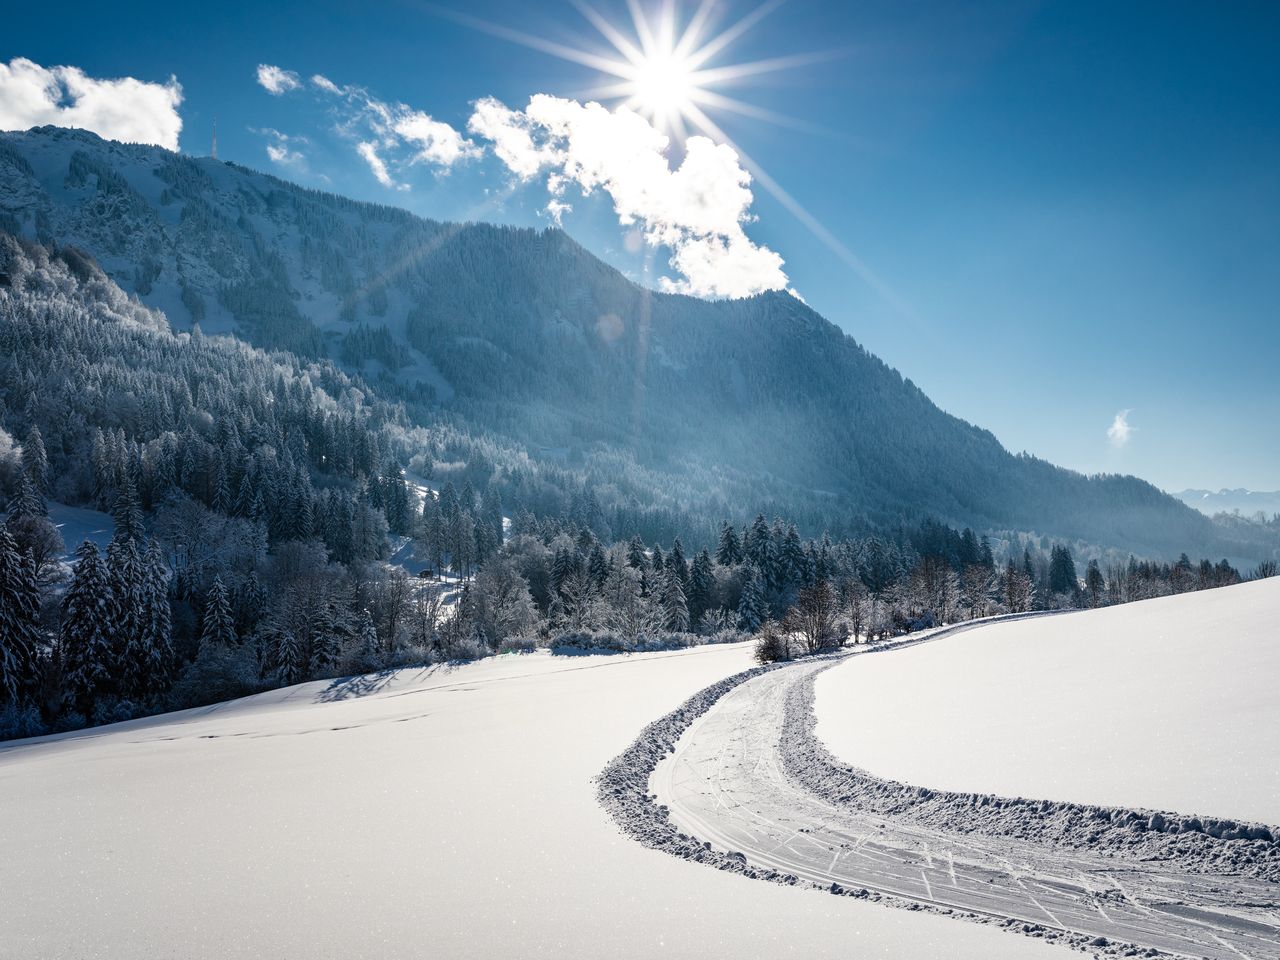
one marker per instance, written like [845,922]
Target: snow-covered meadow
[1168,703]
[447,812]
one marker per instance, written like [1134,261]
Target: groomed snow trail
[727,783]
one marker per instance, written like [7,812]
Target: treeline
[256,499]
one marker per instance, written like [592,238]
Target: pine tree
[221,489]
[701,586]
[289,657]
[675,608]
[217,627]
[125,576]
[366,637]
[35,460]
[677,564]
[157,630]
[491,512]
[791,560]
[598,567]
[84,639]
[636,556]
[127,512]
[729,552]
[326,639]
[29,501]
[751,609]
[19,624]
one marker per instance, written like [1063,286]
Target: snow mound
[1166,703]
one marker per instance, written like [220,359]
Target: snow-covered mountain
[671,412]
[1246,502]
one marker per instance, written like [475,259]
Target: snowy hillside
[1168,703]
[446,813]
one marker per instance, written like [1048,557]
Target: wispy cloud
[277,81]
[369,151]
[389,136]
[697,209]
[121,108]
[1120,430]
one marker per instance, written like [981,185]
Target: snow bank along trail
[1168,703]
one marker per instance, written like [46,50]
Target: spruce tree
[751,609]
[677,564]
[217,627]
[636,556]
[675,608]
[127,512]
[125,576]
[701,586]
[289,657]
[19,624]
[729,552]
[84,639]
[35,460]
[157,630]
[29,501]
[326,639]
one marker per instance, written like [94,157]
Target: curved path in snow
[727,783]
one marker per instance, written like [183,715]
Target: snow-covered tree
[155,640]
[19,624]
[84,639]
[675,608]
[218,626]
[751,606]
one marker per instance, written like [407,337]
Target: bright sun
[664,85]
[660,68]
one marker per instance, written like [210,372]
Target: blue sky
[1064,210]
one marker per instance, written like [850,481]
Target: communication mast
[213,152]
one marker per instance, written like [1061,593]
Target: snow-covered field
[1169,704]
[441,813]
[77,524]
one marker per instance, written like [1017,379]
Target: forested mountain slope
[667,411]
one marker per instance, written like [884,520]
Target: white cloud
[277,81]
[325,84]
[391,136]
[697,209]
[369,151]
[436,142]
[283,149]
[1120,430]
[122,108]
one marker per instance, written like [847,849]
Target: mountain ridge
[716,408]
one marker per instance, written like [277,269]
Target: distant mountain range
[1246,502]
[662,413]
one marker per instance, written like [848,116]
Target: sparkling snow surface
[437,813]
[1171,704]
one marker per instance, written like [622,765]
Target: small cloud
[369,151]
[325,84]
[282,149]
[435,142]
[122,108]
[277,81]
[1120,430]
